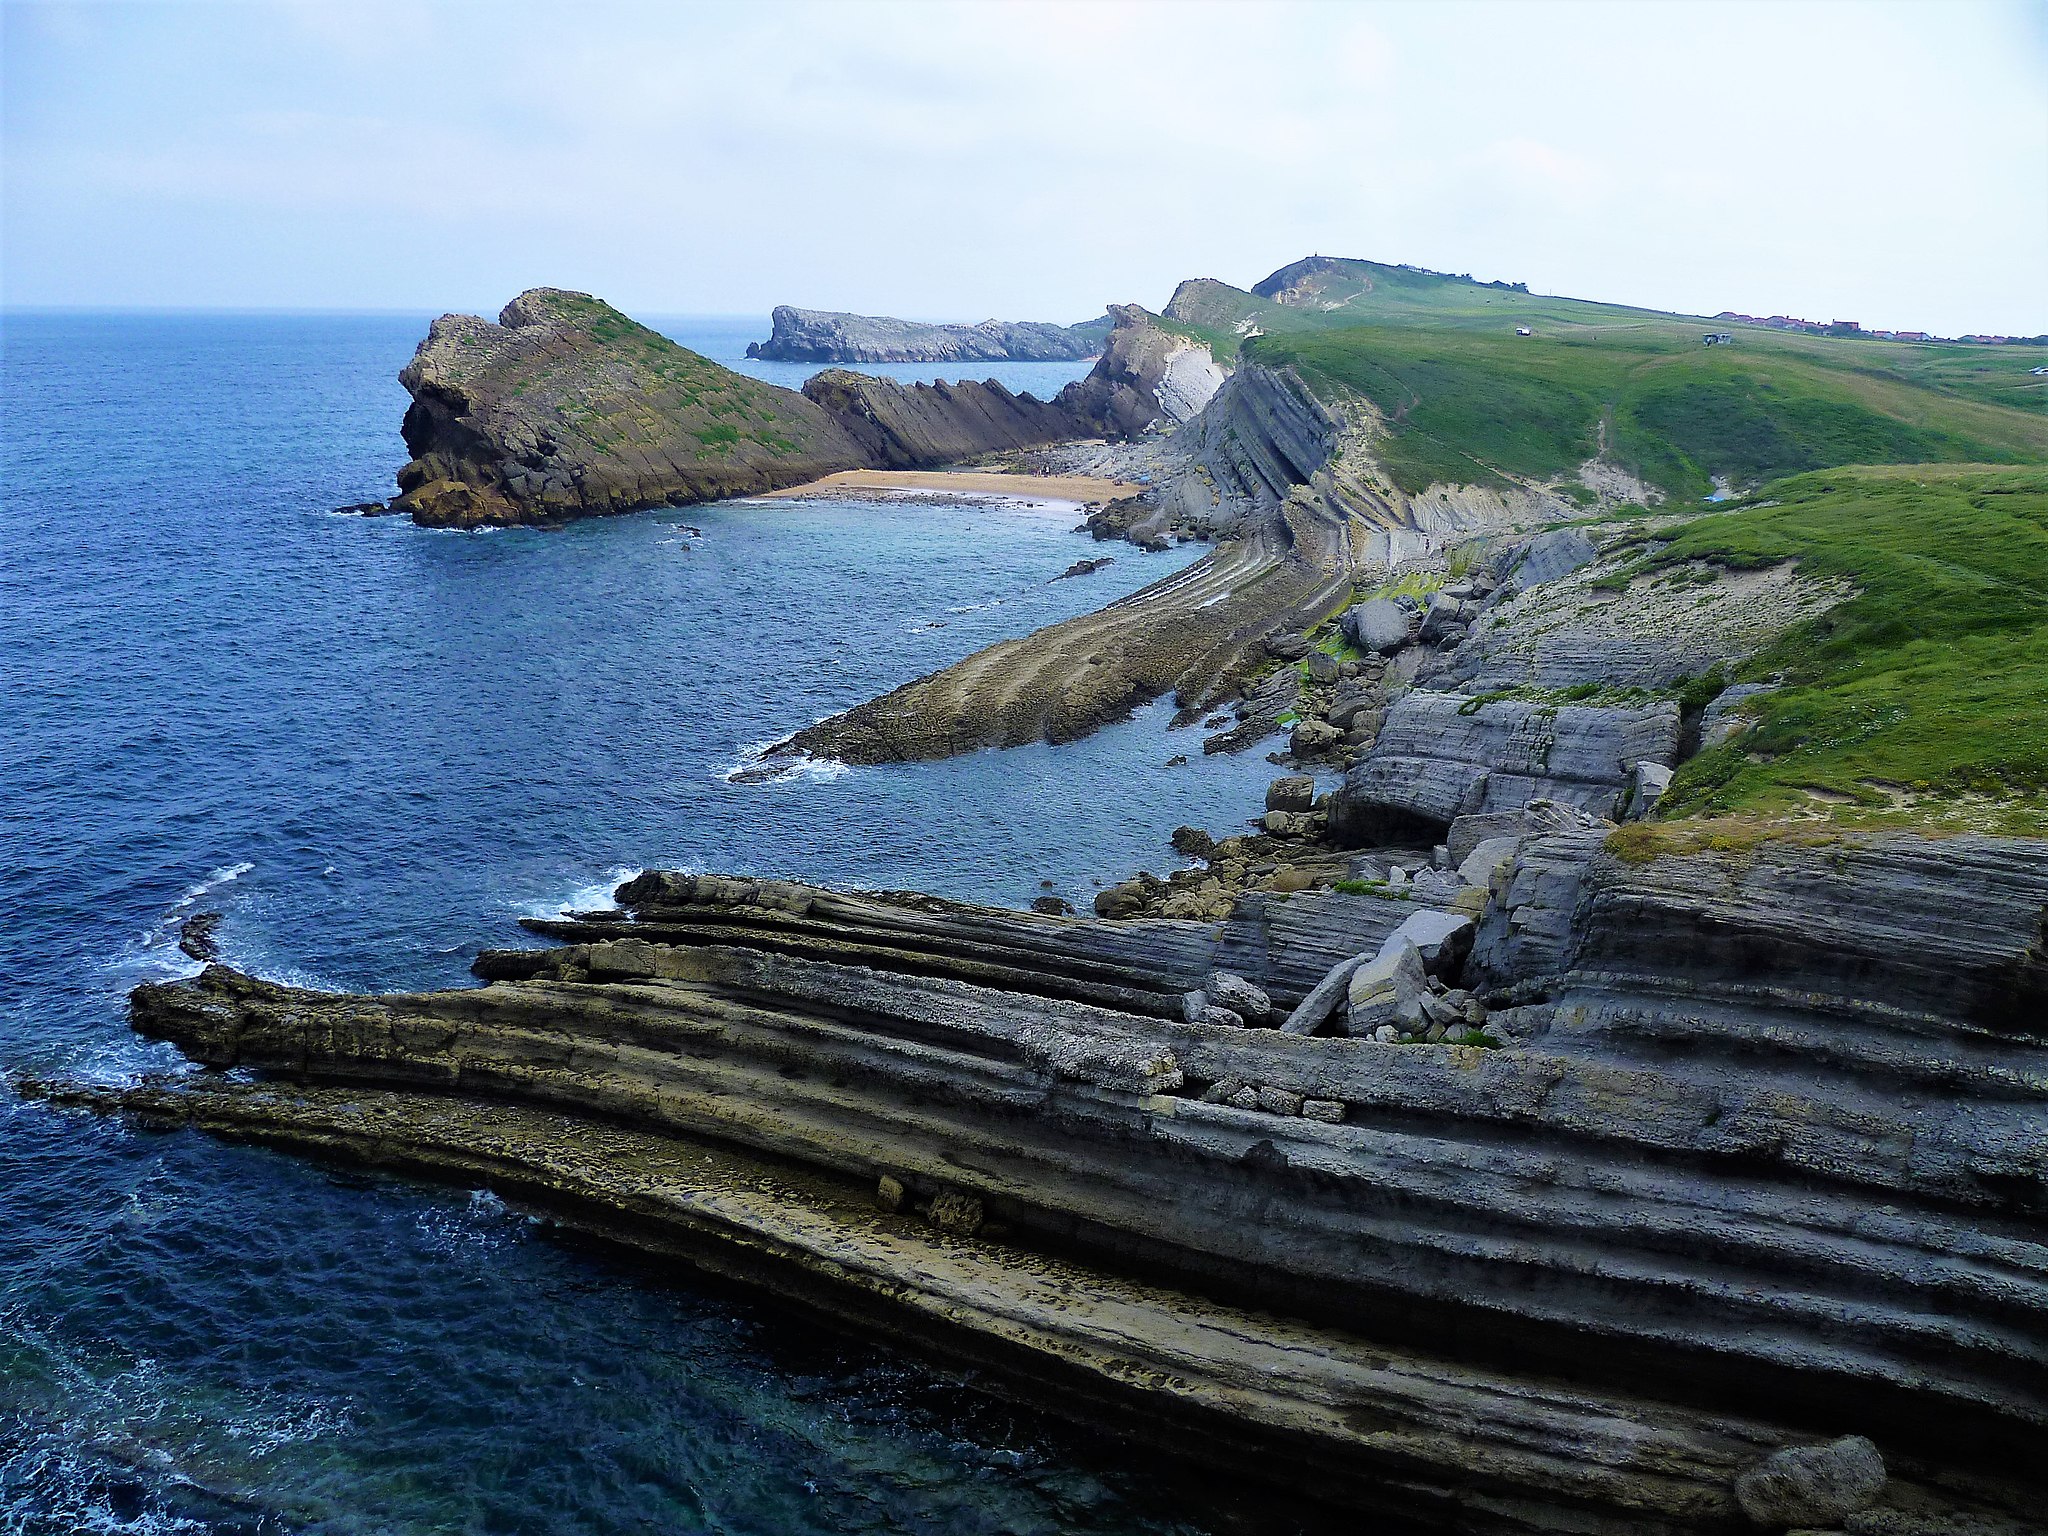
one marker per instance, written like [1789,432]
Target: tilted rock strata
[1146,374]
[908,426]
[1285,562]
[566,408]
[1440,756]
[827,336]
[1751,1152]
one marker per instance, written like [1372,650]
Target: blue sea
[372,748]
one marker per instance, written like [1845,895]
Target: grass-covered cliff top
[593,378]
[1468,400]
[1923,699]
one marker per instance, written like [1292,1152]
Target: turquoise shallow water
[372,748]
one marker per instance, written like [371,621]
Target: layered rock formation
[565,408]
[1285,561]
[1440,756]
[827,336]
[1763,1164]
[910,426]
[1146,374]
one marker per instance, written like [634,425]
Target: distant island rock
[826,336]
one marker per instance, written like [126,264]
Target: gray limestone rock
[1382,990]
[1725,718]
[1229,990]
[1479,866]
[1440,756]
[1646,785]
[1196,1008]
[1551,555]
[1812,1484]
[1379,624]
[1441,939]
[1294,792]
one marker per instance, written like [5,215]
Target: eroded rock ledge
[1755,1167]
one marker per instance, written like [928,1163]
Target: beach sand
[1076,488]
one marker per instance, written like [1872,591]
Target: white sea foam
[595,896]
[756,766]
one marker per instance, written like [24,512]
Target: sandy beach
[1077,488]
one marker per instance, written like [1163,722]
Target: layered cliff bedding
[1733,1221]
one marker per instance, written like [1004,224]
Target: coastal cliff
[1731,1175]
[827,336]
[565,408]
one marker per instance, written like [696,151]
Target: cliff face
[1755,1163]
[1145,374]
[826,336]
[565,408]
[899,426]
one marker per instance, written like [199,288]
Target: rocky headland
[827,336]
[565,408]
[1604,1089]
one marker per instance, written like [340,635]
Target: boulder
[1290,645]
[1551,555]
[1468,832]
[1295,792]
[1812,1484]
[1352,702]
[1328,1111]
[1125,900]
[1279,1101]
[956,1213]
[1324,997]
[1440,939]
[1379,624]
[1193,842]
[1387,988]
[1323,667]
[1288,823]
[1478,866]
[1228,990]
[1646,785]
[1196,1008]
[1052,906]
[1313,736]
[1443,613]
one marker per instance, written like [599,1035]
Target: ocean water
[372,748]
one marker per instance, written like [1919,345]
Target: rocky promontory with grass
[566,408]
[1602,1089]
[828,336]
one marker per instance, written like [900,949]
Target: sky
[1886,163]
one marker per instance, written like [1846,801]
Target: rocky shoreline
[1704,1140]
[1460,1142]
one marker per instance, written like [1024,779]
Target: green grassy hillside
[1467,399]
[1924,697]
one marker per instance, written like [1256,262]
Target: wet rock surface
[1740,1162]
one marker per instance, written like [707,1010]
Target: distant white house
[1523,330]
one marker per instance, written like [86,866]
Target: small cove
[372,748]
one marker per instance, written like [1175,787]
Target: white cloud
[1025,159]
